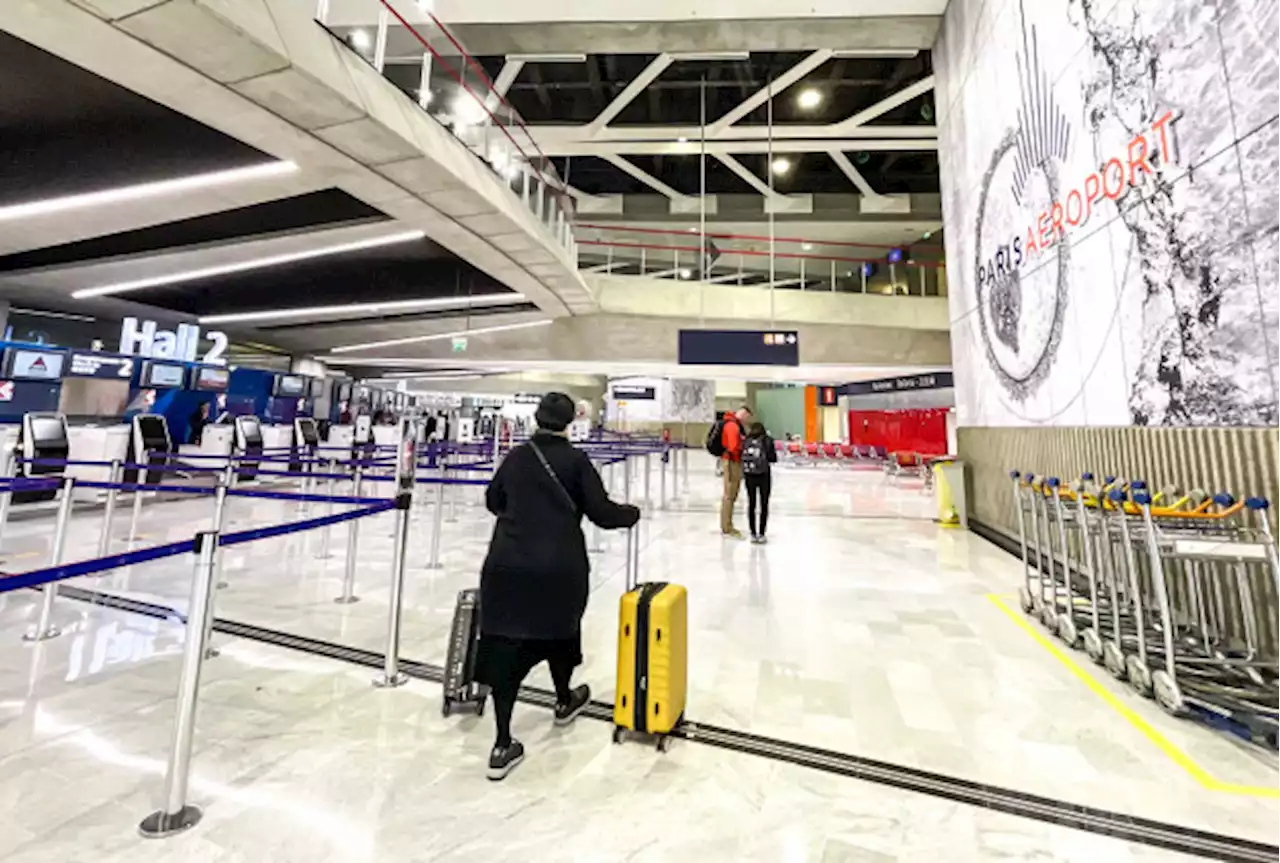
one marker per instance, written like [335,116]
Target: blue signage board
[739,348]
[89,364]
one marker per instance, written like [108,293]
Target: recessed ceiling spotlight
[809,99]
[780,166]
[808,247]
[686,273]
[360,39]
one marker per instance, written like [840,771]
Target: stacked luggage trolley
[1175,593]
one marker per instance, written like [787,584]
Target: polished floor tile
[862,627]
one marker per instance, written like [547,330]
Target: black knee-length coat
[534,582]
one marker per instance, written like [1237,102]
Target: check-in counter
[96,443]
[386,435]
[277,439]
[215,440]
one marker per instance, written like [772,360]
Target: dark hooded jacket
[534,582]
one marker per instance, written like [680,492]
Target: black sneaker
[503,760]
[579,698]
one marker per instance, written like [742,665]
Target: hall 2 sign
[145,339]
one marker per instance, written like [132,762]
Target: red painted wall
[922,430]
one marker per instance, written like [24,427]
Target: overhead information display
[739,348]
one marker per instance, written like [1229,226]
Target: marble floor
[861,627]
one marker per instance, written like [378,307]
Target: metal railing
[415,51]
[747,260]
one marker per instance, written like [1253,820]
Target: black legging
[504,696]
[758,487]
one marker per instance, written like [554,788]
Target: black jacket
[534,581]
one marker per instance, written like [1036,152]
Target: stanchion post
[109,511]
[324,531]
[452,494]
[215,537]
[178,815]
[7,474]
[684,452]
[437,524]
[391,675]
[45,628]
[662,481]
[626,478]
[353,540]
[406,467]
[648,478]
[139,480]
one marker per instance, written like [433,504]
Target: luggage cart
[1206,556]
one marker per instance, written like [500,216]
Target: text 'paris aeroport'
[1075,208]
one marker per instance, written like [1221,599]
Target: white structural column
[888,103]
[634,89]
[783,81]
[643,176]
[842,161]
[738,168]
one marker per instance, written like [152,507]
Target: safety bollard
[324,531]
[437,524]
[391,674]
[8,473]
[139,480]
[178,815]
[109,511]
[45,628]
[353,539]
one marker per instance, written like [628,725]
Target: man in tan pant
[732,468]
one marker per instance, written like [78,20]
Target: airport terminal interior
[321,318]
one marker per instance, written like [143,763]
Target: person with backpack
[758,453]
[724,440]
[534,581]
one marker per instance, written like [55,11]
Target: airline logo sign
[35,365]
[6,391]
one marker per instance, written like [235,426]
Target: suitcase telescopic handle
[633,559]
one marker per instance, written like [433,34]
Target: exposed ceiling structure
[112,204]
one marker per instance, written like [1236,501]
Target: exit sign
[459,344]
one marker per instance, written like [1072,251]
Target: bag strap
[555,479]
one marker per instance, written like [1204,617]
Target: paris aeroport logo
[1030,209]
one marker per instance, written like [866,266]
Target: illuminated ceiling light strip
[40,313]
[363,308]
[242,266]
[413,340]
[157,189]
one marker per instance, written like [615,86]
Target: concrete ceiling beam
[854,175]
[643,176]
[755,182]
[655,68]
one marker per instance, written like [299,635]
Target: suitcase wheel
[617,734]
[447,707]
[664,743]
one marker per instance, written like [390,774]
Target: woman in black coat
[534,583]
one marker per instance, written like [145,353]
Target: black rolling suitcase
[461,692]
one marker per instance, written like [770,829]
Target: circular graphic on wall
[1021,289]
[1021,260]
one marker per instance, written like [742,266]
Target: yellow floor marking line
[1176,755]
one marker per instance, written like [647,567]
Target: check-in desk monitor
[248,443]
[149,438]
[43,436]
[305,432]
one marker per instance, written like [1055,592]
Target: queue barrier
[176,813]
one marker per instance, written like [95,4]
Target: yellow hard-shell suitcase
[653,654]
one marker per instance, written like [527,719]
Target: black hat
[555,412]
